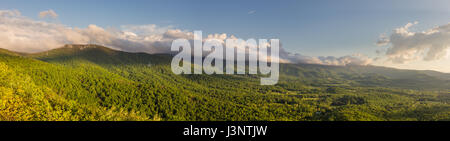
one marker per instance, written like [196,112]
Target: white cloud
[251,12]
[383,40]
[428,45]
[49,13]
[23,34]
[9,13]
[356,59]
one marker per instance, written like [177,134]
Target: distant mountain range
[364,75]
[92,82]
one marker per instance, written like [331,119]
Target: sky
[315,29]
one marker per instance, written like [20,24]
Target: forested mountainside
[91,82]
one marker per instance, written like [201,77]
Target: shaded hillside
[371,76]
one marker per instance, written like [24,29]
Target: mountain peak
[85,46]
[97,54]
[77,51]
[81,46]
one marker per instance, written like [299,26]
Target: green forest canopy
[90,82]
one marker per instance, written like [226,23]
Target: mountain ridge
[310,73]
[80,47]
[97,83]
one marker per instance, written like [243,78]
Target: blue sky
[310,27]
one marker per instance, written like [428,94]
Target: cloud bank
[356,59]
[23,34]
[405,45]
